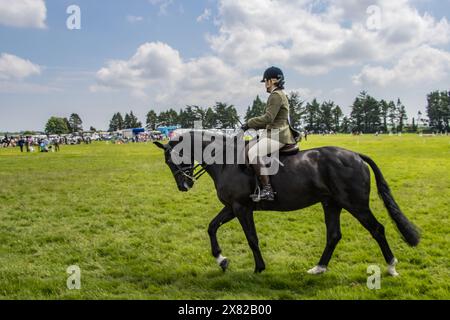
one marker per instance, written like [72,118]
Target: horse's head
[183,172]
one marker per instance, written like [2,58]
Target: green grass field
[114,210]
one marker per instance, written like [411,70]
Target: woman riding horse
[337,178]
[275,118]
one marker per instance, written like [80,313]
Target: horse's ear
[159,145]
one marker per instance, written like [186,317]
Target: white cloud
[204,16]
[307,94]
[312,37]
[134,19]
[23,13]
[13,67]
[163,5]
[423,65]
[256,33]
[158,72]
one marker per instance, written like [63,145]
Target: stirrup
[256,197]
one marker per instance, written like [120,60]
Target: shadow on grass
[239,284]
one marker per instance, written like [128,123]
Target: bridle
[186,169]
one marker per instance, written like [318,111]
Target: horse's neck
[214,170]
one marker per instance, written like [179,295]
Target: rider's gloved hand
[245,127]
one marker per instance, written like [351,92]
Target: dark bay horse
[336,178]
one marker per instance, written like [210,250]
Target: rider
[276,117]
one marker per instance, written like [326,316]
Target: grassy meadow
[115,211]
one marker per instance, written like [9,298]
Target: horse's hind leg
[376,229]
[332,220]
[223,217]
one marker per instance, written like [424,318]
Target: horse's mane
[209,133]
[218,137]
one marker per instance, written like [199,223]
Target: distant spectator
[5,142]
[56,145]
[21,143]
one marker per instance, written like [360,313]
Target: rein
[186,168]
[196,176]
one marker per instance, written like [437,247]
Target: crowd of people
[33,144]
[52,143]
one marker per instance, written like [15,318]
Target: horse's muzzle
[185,186]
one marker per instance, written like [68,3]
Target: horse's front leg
[223,217]
[245,216]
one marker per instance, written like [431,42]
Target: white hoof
[391,268]
[220,259]
[317,270]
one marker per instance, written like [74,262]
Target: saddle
[287,150]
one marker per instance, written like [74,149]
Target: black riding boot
[266,193]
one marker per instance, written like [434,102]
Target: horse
[335,177]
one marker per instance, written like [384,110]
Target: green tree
[366,113]
[402,116]
[296,109]
[384,112]
[76,124]
[56,125]
[116,123]
[190,115]
[346,125]
[152,120]
[372,115]
[312,116]
[414,125]
[127,121]
[210,121]
[445,109]
[438,110]
[337,116]
[326,116]
[392,115]
[256,110]
[168,118]
[69,128]
[131,121]
[227,116]
[113,123]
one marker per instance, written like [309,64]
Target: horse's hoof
[391,268]
[259,270]
[224,264]
[317,270]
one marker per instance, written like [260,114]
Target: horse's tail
[408,230]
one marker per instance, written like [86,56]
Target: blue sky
[154,54]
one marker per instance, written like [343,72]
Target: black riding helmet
[274,73]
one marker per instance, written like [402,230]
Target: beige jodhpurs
[262,148]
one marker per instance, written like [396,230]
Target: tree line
[438,110]
[130,121]
[367,115]
[56,125]
[221,116]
